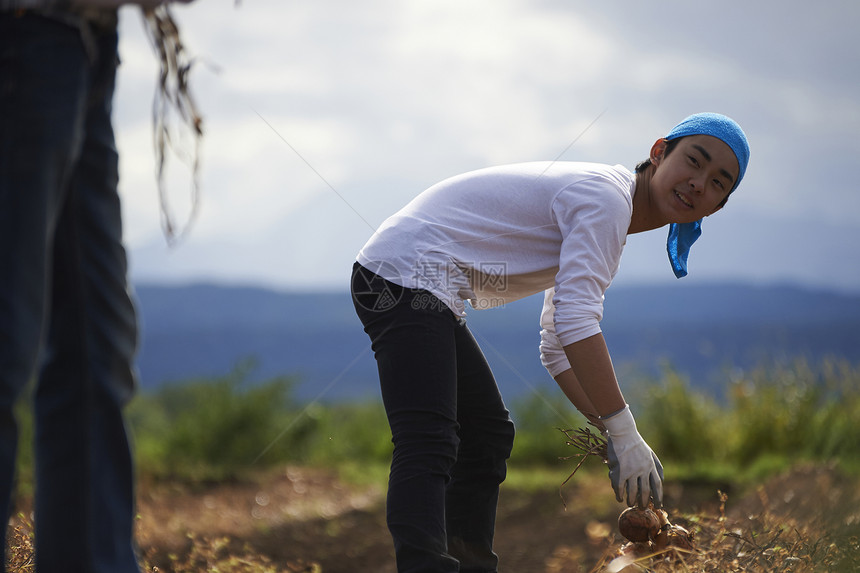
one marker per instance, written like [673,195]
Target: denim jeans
[66,314]
[451,431]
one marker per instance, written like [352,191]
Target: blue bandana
[683,235]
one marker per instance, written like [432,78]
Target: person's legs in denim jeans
[451,431]
[60,222]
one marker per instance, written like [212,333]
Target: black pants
[451,431]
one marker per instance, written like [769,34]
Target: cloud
[324,118]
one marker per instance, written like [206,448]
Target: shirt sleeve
[593,217]
[552,355]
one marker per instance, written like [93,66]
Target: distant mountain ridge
[703,331]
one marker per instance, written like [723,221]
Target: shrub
[350,432]
[679,423]
[797,412]
[221,425]
[538,418]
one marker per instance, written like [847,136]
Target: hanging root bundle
[587,443]
[172,98]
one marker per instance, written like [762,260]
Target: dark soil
[303,519]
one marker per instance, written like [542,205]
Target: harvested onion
[638,525]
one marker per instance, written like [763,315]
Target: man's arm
[592,377]
[568,383]
[635,471]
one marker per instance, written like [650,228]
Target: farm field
[304,519]
[238,477]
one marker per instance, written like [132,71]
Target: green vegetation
[217,429]
[769,419]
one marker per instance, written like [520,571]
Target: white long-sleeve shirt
[503,233]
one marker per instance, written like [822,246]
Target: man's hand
[634,469]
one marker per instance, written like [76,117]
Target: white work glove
[634,469]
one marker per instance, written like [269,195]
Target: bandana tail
[681,238]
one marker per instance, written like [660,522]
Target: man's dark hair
[670,145]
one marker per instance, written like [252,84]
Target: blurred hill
[704,331]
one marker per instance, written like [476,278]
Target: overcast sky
[322,118]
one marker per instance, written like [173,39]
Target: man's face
[692,181]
